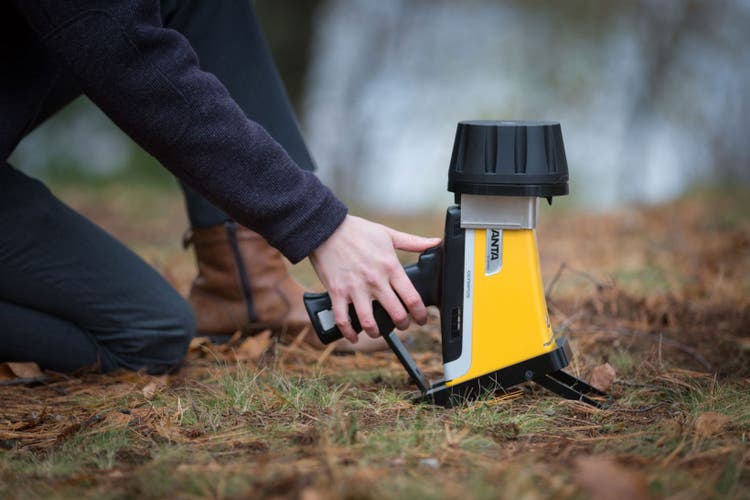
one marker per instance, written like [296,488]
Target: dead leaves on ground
[602,377]
[695,317]
[604,479]
[154,386]
[236,348]
[710,423]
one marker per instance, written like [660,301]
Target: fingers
[363,305]
[409,296]
[389,302]
[340,305]
[398,278]
[394,308]
[411,242]
[358,264]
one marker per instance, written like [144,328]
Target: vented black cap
[509,158]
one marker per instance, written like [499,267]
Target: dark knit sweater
[146,78]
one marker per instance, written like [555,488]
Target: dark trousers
[71,296]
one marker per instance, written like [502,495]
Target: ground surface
[661,294]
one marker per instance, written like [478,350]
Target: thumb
[411,242]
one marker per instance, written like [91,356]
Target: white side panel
[459,366]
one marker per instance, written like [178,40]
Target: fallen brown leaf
[710,423]
[10,370]
[311,494]
[252,348]
[605,479]
[197,343]
[154,386]
[117,419]
[602,377]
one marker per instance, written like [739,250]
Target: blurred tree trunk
[661,30]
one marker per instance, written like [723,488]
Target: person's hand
[357,264]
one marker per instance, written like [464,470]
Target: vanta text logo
[494,244]
[494,252]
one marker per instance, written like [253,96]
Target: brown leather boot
[242,283]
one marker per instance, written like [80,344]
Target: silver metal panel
[499,212]
[326,319]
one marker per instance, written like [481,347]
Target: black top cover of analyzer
[508,158]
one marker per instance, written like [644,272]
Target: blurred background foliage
[652,95]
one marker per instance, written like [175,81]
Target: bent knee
[158,344]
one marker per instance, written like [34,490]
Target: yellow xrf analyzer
[485,275]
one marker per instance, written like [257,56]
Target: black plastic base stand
[566,385]
[546,370]
[407,361]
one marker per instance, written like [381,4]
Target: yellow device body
[509,319]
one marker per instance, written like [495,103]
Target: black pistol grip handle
[424,275]
[320,310]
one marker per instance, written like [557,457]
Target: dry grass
[659,293]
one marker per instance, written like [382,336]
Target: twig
[609,437]
[674,453]
[628,383]
[644,409]
[584,274]
[666,341]
[553,282]
[325,354]
[41,379]
[286,400]
[295,345]
[565,325]
[708,454]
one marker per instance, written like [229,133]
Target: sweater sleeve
[146,78]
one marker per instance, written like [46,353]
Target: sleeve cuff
[310,232]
